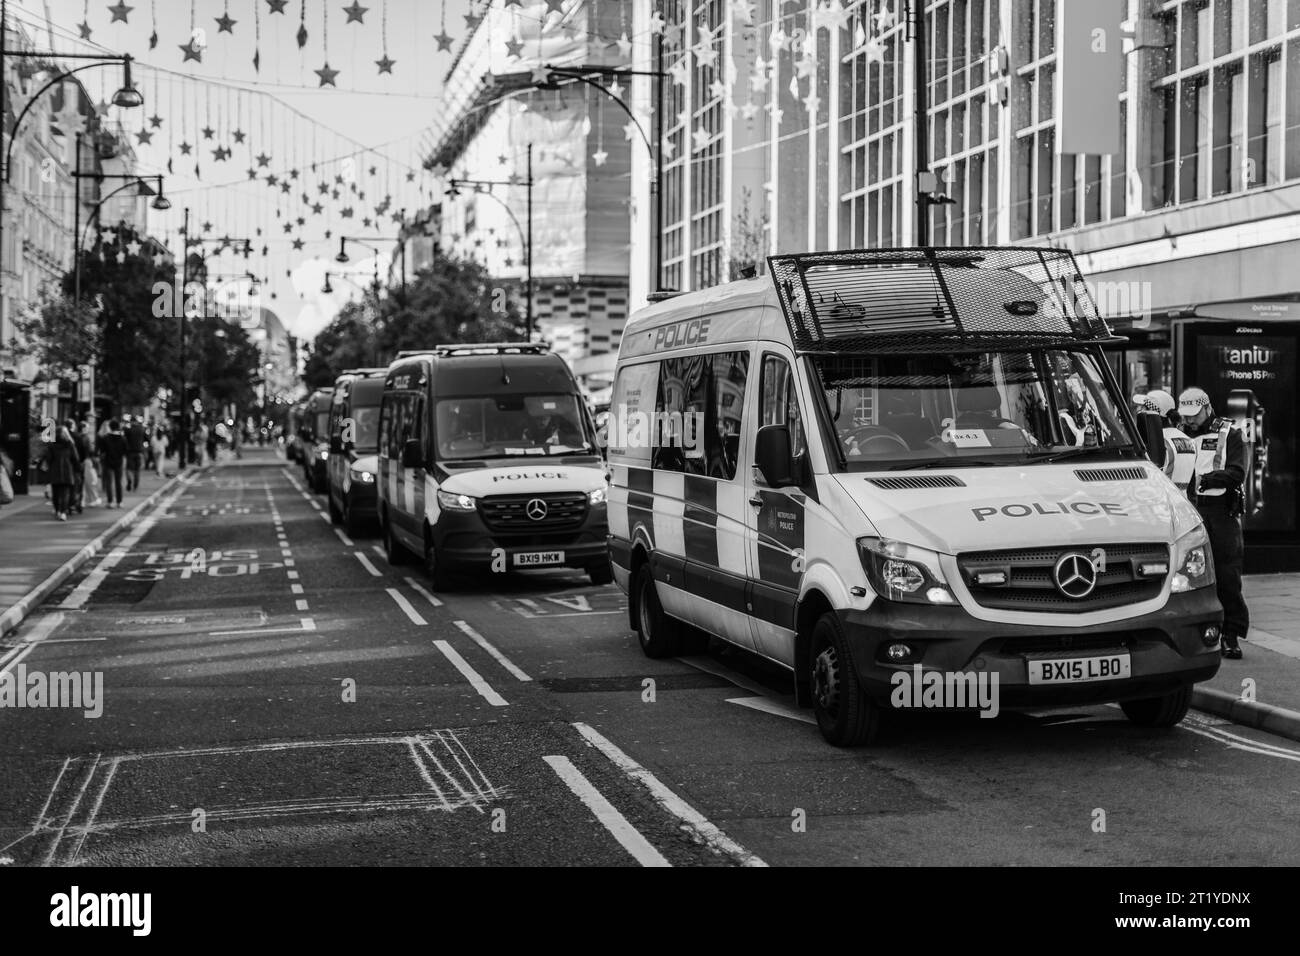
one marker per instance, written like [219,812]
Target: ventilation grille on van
[918,481]
[1110,474]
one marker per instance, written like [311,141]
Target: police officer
[1216,490]
[1180,451]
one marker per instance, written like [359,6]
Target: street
[275,694]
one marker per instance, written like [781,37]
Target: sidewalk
[34,545]
[1270,658]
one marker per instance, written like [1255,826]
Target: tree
[749,241]
[139,349]
[60,335]
[453,300]
[226,363]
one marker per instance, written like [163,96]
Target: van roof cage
[482,348]
[364,371]
[936,300]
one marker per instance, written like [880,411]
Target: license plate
[1080,670]
[533,559]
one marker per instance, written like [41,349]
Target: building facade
[508,115]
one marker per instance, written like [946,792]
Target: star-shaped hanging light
[297,244]
[326,75]
[84,29]
[156,121]
[143,137]
[208,132]
[444,41]
[514,47]
[385,65]
[263,160]
[185,149]
[120,11]
[192,51]
[277,6]
[355,12]
[225,24]
[599,157]
[238,135]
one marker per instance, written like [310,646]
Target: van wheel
[351,524]
[393,550]
[1163,711]
[660,635]
[846,716]
[438,575]
[601,573]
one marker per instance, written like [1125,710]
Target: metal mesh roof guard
[936,300]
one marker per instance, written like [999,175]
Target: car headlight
[364,477]
[903,572]
[324,454]
[1194,561]
[597,497]
[454,502]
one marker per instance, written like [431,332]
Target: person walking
[158,445]
[1216,490]
[135,437]
[64,463]
[80,487]
[112,456]
[213,434]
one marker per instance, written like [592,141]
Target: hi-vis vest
[1212,454]
[1180,457]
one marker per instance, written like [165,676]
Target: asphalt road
[281,696]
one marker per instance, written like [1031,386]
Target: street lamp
[342,258]
[483,187]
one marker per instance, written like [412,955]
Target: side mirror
[1152,427]
[336,445]
[772,455]
[411,457]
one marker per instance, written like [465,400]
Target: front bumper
[363,500]
[1164,646]
[463,539]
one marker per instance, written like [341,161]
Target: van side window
[632,405]
[779,403]
[698,407]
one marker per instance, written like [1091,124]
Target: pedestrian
[78,502]
[63,463]
[200,438]
[1180,451]
[93,487]
[1216,490]
[149,464]
[212,434]
[135,437]
[112,456]
[158,447]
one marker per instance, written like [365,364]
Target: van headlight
[596,497]
[454,502]
[363,477]
[903,572]
[1194,561]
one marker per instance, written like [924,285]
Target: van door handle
[756,501]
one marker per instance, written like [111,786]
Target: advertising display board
[1249,372]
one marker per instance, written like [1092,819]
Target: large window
[503,426]
[698,405]
[779,404]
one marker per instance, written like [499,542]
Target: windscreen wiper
[954,462]
[1048,457]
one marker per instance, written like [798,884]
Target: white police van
[902,462]
[488,462]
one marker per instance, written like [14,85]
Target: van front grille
[1030,584]
[511,512]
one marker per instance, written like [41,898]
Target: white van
[872,467]
[488,462]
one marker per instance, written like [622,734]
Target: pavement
[37,554]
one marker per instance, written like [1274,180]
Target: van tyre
[846,716]
[351,523]
[393,550]
[439,578]
[660,634]
[1163,711]
[601,574]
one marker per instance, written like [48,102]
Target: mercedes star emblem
[1075,575]
[536,509]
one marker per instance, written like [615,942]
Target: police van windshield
[892,412]
[365,424]
[509,426]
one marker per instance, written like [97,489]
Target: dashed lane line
[628,836]
[423,592]
[496,655]
[693,820]
[365,563]
[471,675]
[407,608]
[348,542]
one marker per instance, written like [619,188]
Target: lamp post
[483,187]
[343,258]
[328,289]
[127,97]
[160,202]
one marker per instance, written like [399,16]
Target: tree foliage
[454,300]
[60,336]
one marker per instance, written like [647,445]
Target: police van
[875,467]
[488,462]
[353,442]
[314,438]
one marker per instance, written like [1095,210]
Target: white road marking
[58,837]
[377,549]
[301,605]
[292,575]
[707,665]
[695,821]
[94,812]
[344,538]
[286,553]
[420,589]
[406,607]
[296,588]
[1236,741]
[37,632]
[289,562]
[500,658]
[578,602]
[365,563]
[769,706]
[471,675]
[628,836]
